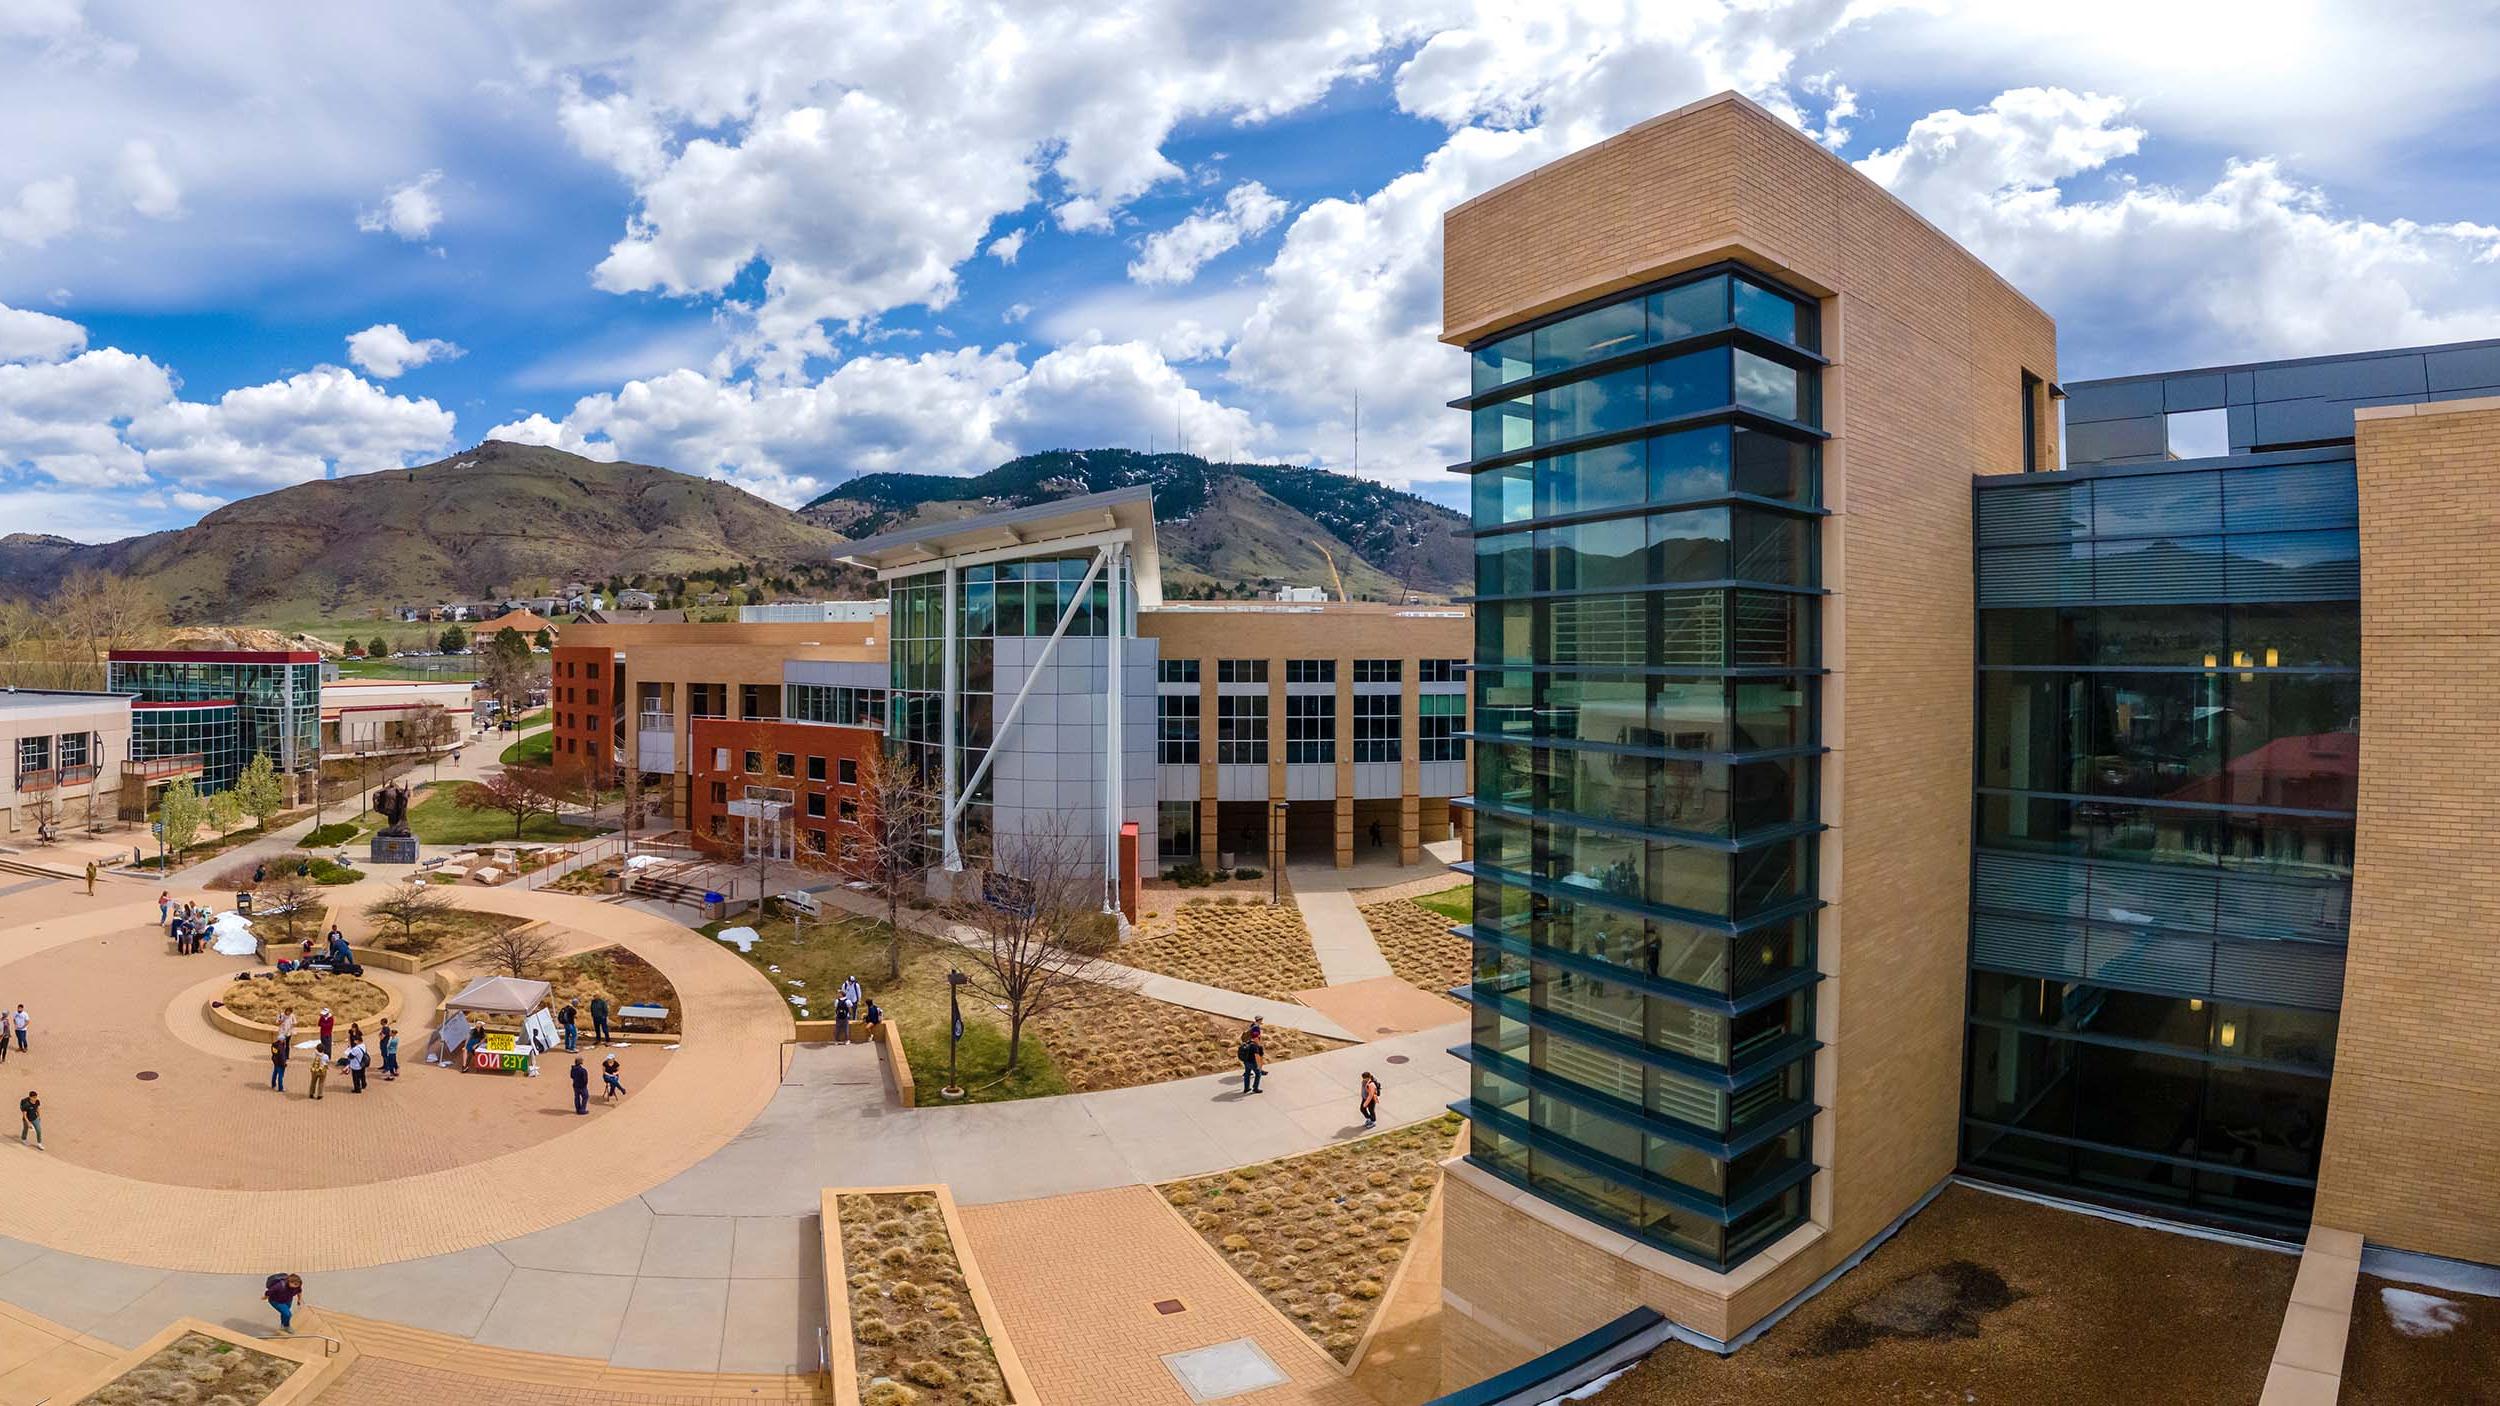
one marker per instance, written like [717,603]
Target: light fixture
[2274,657]
[2230,1034]
[2209,661]
[2195,1004]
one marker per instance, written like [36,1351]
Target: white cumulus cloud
[410,211]
[385,351]
[38,336]
[1175,255]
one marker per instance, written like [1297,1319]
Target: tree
[896,815]
[453,640]
[45,810]
[544,639]
[285,897]
[517,791]
[99,612]
[375,648]
[518,951]
[260,790]
[435,730]
[225,812]
[354,649]
[507,670]
[411,903]
[180,813]
[1037,935]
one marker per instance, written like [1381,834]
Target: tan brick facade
[2413,1127]
[1929,350]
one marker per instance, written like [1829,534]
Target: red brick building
[815,767]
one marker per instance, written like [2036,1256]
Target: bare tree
[1036,932]
[285,898]
[519,951]
[410,904]
[45,810]
[517,791]
[896,817]
[98,612]
[435,731]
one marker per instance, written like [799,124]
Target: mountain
[493,517]
[1220,524]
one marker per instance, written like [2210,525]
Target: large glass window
[1310,728]
[1176,729]
[1439,720]
[1241,728]
[1376,727]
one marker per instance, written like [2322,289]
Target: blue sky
[778,243]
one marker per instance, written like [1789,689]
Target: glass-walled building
[275,696]
[203,733]
[1646,518]
[2167,778]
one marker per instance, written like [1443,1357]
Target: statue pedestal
[394,849]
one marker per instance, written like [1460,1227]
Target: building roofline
[13,691]
[2486,344]
[187,703]
[213,656]
[1035,526]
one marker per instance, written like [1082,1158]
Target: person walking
[1249,1054]
[842,1020]
[608,1072]
[90,878]
[581,1086]
[164,907]
[851,992]
[572,1033]
[599,1018]
[329,1023]
[282,1291]
[390,1052]
[356,1060]
[1369,1103]
[286,1026]
[30,1118]
[18,1022]
[278,1052]
[320,1069]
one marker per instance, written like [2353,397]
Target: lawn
[823,951]
[1456,903]
[1418,944]
[1252,948]
[438,819]
[1320,1235]
[1989,1299]
[537,749]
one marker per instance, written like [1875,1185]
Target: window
[759,700]
[1176,829]
[34,754]
[815,841]
[2031,423]
[1439,716]
[1176,671]
[785,765]
[1241,729]
[1310,727]
[1376,727]
[848,812]
[850,771]
[73,749]
[815,768]
[720,793]
[1439,670]
[1310,671]
[815,805]
[843,707]
[1241,671]
[707,700]
[1176,729]
[1379,670]
[754,764]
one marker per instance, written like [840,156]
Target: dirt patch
[1984,1298]
[1255,949]
[619,975]
[2411,1343]
[913,1324]
[266,999]
[1321,1235]
[196,1367]
[1419,945]
[454,931]
[1108,1038]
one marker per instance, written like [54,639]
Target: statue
[391,803]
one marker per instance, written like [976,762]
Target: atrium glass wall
[277,698]
[206,729]
[995,601]
[2169,702]
[1646,521]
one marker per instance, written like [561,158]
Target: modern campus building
[383,717]
[1867,793]
[69,753]
[222,707]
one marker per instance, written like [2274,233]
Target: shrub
[888,1394]
[1189,876]
[335,833]
[1246,872]
[929,1373]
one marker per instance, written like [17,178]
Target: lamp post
[955,981]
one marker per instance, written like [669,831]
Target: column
[1345,763]
[1410,828]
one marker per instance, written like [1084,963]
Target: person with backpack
[356,1060]
[320,1067]
[282,1291]
[277,1064]
[1369,1103]
[30,1118]
[569,1019]
[1252,1059]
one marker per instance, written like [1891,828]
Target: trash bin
[243,903]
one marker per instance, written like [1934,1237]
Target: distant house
[712,598]
[636,600]
[528,622]
[630,617]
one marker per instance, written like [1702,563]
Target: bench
[654,1014]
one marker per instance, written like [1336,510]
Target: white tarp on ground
[505,994]
[743,937]
[231,936]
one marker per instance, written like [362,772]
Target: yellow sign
[501,1044]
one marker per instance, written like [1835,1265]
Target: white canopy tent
[501,995]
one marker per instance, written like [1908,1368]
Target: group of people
[1253,1055]
[358,1060]
[854,1004]
[189,923]
[611,1074]
[569,1021]
[12,1028]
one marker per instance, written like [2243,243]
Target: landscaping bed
[2409,1343]
[917,1334]
[1321,1235]
[197,1367]
[813,955]
[1419,946]
[438,818]
[1256,949]
[619,975]
[263,1000]
[449,935]
[1987,1298]
[1107,1038]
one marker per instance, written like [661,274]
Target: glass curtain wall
[2169,700]
[995,601]
[277,702]
[1646,512]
